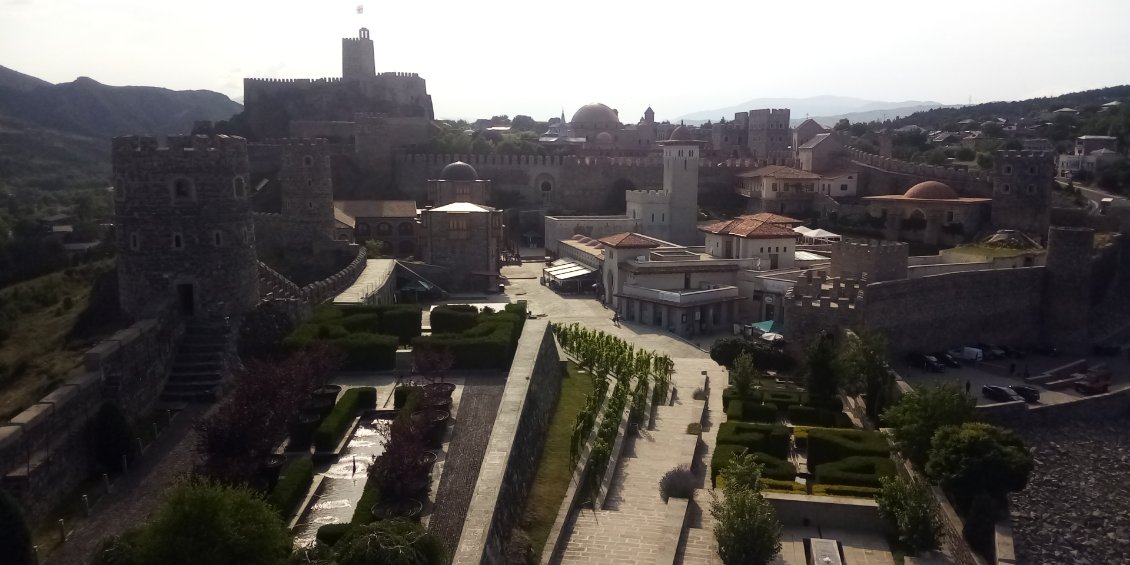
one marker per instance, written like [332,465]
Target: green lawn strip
[554,472]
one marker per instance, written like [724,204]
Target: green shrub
[362,323]
[857,471]
[735,411]
[694,429]
[489,344]
[363,512]
[844,490]
[453,319]
[366,398]
[728,394]
[366,351]
[827,445]
[773,467]
[783,399]
[810,416]
[786,486]
[772,439]
[331,533]
[756,412]
[402,321]
[294,482]
[329,433]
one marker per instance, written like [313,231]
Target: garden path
[471,433]
[135,495]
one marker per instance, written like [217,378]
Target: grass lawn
[38,355]
[554,472]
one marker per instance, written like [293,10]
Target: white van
[968,354]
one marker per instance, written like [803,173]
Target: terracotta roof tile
[781,172]
[629,240]
[755,226]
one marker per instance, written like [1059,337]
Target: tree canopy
[746,526]
[976,458]
[918,415]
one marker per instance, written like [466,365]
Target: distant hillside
[1032,109]
[872,115]
[58,135]
[823,106]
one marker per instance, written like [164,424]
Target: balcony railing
[686,297]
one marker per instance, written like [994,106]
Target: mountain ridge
[823,106]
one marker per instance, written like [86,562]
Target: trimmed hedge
[783,399]
[489,344]
[786,486]
[367,335]
[329,433]
[859,471]
[828,445]
[810,416]
[735,411]
[368,351]
[294,483]
[844,490]
[772,439]
[756,412]
[331,533]
[453,318]
[772,467]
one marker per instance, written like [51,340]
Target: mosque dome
[459,171]
[931,190]
[604,138]
[595,113]
[681,133]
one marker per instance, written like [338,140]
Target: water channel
[343,482]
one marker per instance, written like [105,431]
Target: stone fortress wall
[45,451]
[882,176]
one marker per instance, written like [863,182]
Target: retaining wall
[514,450]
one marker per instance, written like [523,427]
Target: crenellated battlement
[312,142]
[892,165]
[556,160]
[1023,154]
[291,81]
[392,74]
[200,144]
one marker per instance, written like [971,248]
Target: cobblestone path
[137,494]
[475,419]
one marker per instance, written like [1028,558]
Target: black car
[989,351]
[926,362]
[1028,393]
[1013,352]
[1000,393]
[945,359]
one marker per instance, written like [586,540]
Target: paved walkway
[138,493]
[475,419]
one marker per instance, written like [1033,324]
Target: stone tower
[769,135]
[357,59]
[1067,288]
[649,116]
[1022,184]
[184,227]
[307,189]
[681,157]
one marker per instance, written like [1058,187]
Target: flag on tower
[360,9]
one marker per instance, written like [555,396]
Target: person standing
[968,386]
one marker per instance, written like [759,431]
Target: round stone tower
[185,233]
[307,189]
[1067,288]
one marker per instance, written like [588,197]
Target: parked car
[968,354]
[1014,352]
[990,351]
[1000,393]
[946,359]
[1028,393]
[1093,384]
[926,362]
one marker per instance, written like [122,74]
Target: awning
[574,273]
[768,326]
[567,270]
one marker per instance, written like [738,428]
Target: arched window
[1008,169]
[178,241]
[384,228]
[134,242]
[1006,188]
[239,187]
[308,161]
[406,228]
[1031,189]
[218,238]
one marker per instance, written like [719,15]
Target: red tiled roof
[772,218]
[781,172]
[756,226]
[629,240]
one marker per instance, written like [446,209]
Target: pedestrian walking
[968,386]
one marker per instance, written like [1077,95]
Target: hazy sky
[484,57]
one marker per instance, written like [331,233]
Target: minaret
[682,154]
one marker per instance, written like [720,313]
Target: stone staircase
[199,366]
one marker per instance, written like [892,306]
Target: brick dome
[931,190]
[459,171]
[681,133]
[595,115]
